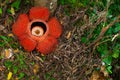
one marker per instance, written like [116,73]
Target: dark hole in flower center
[38,28]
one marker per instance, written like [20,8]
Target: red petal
[20,26]
[55,27]
[47,46]
[39,13]
[22,37]
[28,44]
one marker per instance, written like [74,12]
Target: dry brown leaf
[103,70]
[96,75]
[10,35]
[7,53]
[2,68]
[68,35]
[2,27]
[61,22]
[16,79]
[36,68]
[39,58]
[16,51]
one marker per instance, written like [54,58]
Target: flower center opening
[37,32]
[38,28]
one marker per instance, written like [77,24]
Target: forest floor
[73,59]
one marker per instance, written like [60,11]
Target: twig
[104,29]
[78,16]
[98,22]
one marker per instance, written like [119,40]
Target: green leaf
[8,11]
[33,63]
[110,31]
[52,78]
[109,69]
[21,75]
[103,50]
[3,37]
[0,11]
[84,39]
[16,4]
[47,76]
[62,2]
[7,1]
[86,2]
[15,69]
[108,60]
[67,12]
[2,44]
[116,53]
[117,28]
[12,10]
[21,62]
[8,64]
[73,1]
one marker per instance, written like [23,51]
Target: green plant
[16,5]
[105,36]
[73,4]
[17,66]
[48,76]
[0,11]
[6,41]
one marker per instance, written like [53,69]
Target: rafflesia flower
[37,31]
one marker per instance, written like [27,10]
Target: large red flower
[37,31]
